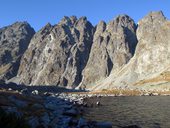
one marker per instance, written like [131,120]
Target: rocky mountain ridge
[14,40]
[75,54]
[149,68]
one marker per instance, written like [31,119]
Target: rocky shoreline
[55,109]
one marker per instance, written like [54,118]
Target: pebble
[25,91]
[35,92]
[9,89]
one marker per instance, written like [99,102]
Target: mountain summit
[75,54]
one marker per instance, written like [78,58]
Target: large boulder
[113,46]
[14,40]
[58,54]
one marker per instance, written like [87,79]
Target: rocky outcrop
[73,53]
[58,54]
[14,40]
[149,68]
[113,46]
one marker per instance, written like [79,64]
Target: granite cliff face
[150,66]
[58,54]
[73,53]
[113,46]
[14,40]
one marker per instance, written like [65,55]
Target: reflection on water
[145,111]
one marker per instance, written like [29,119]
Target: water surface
[145,111]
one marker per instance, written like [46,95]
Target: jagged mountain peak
[68,20]
[148,68]
[59,53]
[154,17]
[73,52]
[14,40]
[101,26]
[73,20]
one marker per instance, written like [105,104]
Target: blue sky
[40,12]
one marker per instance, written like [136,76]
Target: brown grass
[165,76]
[125,92]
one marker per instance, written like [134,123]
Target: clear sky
[40,12]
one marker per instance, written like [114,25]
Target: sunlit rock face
[14,40]
[113,46]
[120,54]
[151,62]
[58,54]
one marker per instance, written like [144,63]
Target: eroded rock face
[150,64]
[113,46]
[14,40]
[74,53]
[58,54]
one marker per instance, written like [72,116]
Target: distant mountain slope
[150,64]
[75,54]
[58,54]
[113,46]
[14,40]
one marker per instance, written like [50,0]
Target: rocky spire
[113,46]
[150,64]
[59,56]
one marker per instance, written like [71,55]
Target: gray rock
[150,64]
[33,122]
[25,91]
[71,112]
[58,54]
[54,122]
[104,125]
[74,53]
[82,123]
[9,89]
[14,40]
[113,46]
[37,106]
[15,111]
[17,102]
[45,119]
[51,106]
[35,92]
